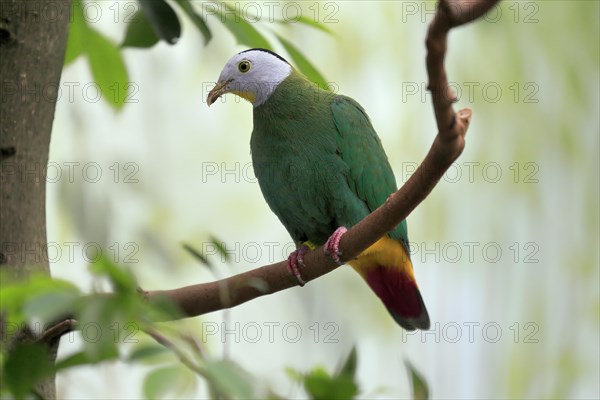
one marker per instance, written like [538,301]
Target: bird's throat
[251,97]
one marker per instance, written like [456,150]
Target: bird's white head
[252,74]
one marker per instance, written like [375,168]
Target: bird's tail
[387,268]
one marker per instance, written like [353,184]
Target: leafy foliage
[198,255]
[243,31]
[229,379]
[41,299]
[163,20]
[319,384]
[203,258]
[139,32]
[20,374]
[420,390]
[119,325]
[187,7]
[106,61]
[169,381]
[303,64]
[155,21]
[107,323]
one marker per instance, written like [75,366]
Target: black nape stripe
[266,51]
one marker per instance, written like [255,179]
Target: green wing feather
[370,176]
[294,157]
[318,161]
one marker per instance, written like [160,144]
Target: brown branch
[448,145]
[53,333]
[446,148]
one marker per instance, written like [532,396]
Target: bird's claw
[332,246]
[295,261]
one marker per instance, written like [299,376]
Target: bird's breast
[298,176]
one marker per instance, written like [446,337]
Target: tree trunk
[33,38]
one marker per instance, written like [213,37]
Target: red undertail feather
[400,295]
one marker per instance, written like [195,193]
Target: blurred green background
[505,248]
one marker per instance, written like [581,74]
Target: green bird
[321,168]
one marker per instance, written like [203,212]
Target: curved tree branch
[448,145]
[446,148]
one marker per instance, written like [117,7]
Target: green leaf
[84,358]
[25,366]
[49,307]
[349,367]
[19,299]
[77,31]
[139,32]
[121,278]
[146,351]
[198,255]
[74,360]
[228,379]
[243,31]
[162,308]
[307,21]
[159,382]
[187,7]
[319,385]
[108,68]
[219,244]
[13,298]
[168,382]
[106,62]
[294,375]
[163,20]
[106,321]
[303,64]
[418,383]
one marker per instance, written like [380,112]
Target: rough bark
[33,38]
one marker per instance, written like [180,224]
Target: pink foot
[296,260]
[332,246]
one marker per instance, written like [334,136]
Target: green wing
[370,176]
